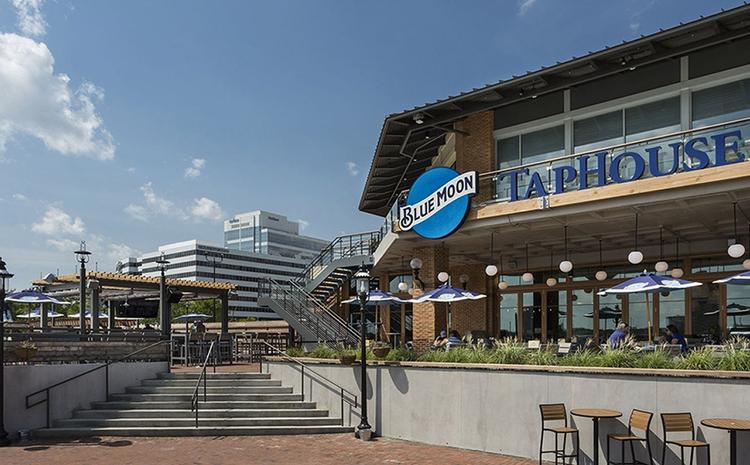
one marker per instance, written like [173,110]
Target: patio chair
[564,348]
[534,345]
[682,423]
[557,413]
[639,419]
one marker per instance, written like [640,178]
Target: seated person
[675,337]
[441,340]
[618,336]
[454,338]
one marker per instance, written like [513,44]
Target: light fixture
[416,264]
[661,266]
[502,285]
[635,256]
[419,118]
[551,281]
[677,272]
[402,286]
[601,275]
[735,250]
[443,277]
[464,279]
[362,280]
[491,270]
[566,266]
[527,277]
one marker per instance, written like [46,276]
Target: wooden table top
[727,423]
[595,413]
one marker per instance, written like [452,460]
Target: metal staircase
[301,302]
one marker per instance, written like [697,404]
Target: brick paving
[338,449]
[234,368]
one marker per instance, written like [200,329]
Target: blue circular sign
[438,202]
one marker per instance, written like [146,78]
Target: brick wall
[429,318]
[476,151]
[470,315]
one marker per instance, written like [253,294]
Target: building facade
[641,147]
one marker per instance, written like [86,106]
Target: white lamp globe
[443,276]
[635,257]
[527,277]
[677,273]
[415,264]
[551,282]
[502,285]
[736,250]
[566,266]
[601,275]
[661,266]
[490,270]
[746,264]
[403,287]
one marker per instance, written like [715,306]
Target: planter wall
[496,410]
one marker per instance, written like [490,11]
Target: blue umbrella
[377,297]
[37,313]
[193,317]
[448,294]
[742,278]
[102,315]
[649,283]
[33,297]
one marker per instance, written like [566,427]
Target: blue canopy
[649,282]
[377,297]
[742,278]
[446,293]
[193,317]
[37,313]
[33,297]
[87,315]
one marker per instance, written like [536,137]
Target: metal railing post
[106,382]
[302,383]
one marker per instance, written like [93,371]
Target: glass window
[583,314]
[232,235]
[738,310]
[672,310]
[704,304]
[652,119]
[610,313]
[508,153]
[598,131]
[532,313]
[721,103]
[508,315]
[544,144]
[638,316]
[557,311]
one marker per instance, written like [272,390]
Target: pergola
[118,287]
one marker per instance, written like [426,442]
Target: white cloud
[352,168]
[64,245]
[117,251]
[131,170]
[195,168]
[205,208]
[56,222]
[20,197]
[524,6]
[39,103]
[30,20]
[303,224]
[152,205]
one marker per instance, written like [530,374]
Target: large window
[610,313]
[508,315]
[705,306]
[738,310]
[529,148]
[721,103]
[583,314]
[672,310]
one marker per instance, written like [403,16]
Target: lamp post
[362,279]
[416,264]
[4,274]
[164,320]
[214,260]
[83,257]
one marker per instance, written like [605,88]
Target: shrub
[736,356]
[657,359]
[401,355]
[617,358]
[323,351]
[508,352]
[542,357]
[702,358]
[295,352]
[582,358]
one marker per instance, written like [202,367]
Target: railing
[351,245]
[303,367]
[46,391]
[202,377]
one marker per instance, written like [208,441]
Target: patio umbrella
[102,315]
[188,317]
[376,297]
[37,313]
[742,278]
[734,310]
[448,294]
[649,283]
[33,297]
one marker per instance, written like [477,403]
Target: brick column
[470,315]
[428,317]
[476,151]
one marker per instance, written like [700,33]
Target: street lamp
[82,257]
[164,321]
[362,280]
[4,274]
[214,260]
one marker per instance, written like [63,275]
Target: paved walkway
[339,449]
[234,368]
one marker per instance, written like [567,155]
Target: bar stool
[682,423]
[639,419]
[556,413]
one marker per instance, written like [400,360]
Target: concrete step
[191,431]
[204,413]
[185,405]
[209,388]
[209,398]
[218,376]
[182,422]
[212,382]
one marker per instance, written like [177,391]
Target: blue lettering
[563,174]
[720,142]
[513,176]
[695,154]
[600,170]
[653,159]
[638,168]
[536,186]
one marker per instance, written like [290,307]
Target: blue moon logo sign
[438,202]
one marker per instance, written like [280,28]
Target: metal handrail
[46,399]
[326,310]
[356,243]
[303,366]
[202,376]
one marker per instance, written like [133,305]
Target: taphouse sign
[438,202]
[594,171]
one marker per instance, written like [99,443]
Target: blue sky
[132,124]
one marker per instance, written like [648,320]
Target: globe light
[527,277]
[566,266]
[490,270]
[677,273]
[746,264]
[661,266]
[443,277]
[635,257]
[551,282]
[415,264]
[502,285]
[601,275]
[403,287]
[736,250]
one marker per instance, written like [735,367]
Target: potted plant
[347,356]
[381,349]
[25,351]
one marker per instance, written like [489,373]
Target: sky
[131,124]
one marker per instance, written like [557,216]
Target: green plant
[508,352]
[657,359]
[344,352]
[542,357]
[27,345]
[617,358]
[582,358]
[323,351]
[702,358]
[295,351]
[401,355]
[736,355]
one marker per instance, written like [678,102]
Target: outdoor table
[595,414]
[732,426]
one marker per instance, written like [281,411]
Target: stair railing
[340,322]
[350,245]
[105,367]
[202,377]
